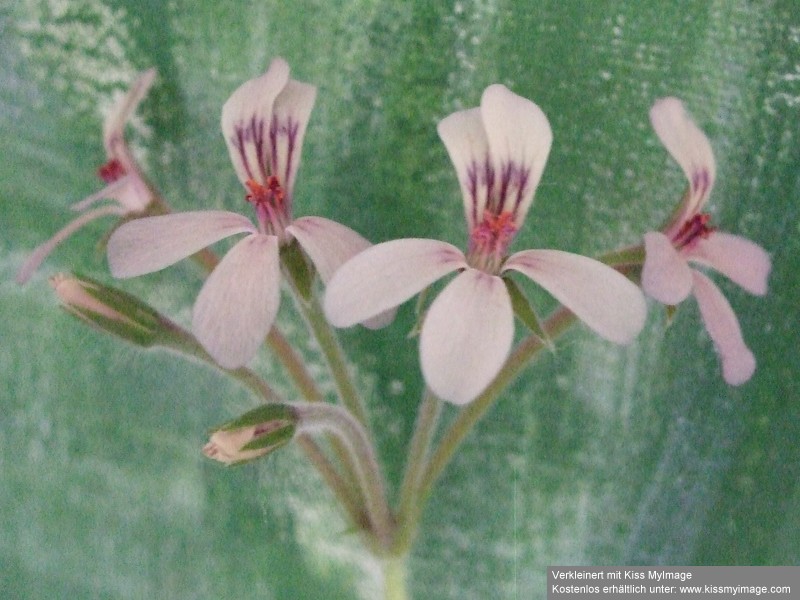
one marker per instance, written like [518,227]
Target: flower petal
[519,141]
[290,115]
[738,363]
[239,301]
[385,276]
[690,148]
[114,125]
[129,191]
[328,244]
[601,297]
[465,138]
[665,276]
[246,118]
[152,243]
[742,261]
[44,249]
[466,336]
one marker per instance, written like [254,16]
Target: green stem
[394,578]
[554,326]
[424,430]
[340,422]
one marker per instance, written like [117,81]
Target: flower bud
[109,309]
[254,434]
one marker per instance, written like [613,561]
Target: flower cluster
[499,151]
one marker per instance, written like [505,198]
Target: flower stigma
[111,171]
[489,241]
[693,229]
[269,203]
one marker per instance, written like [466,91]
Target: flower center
[489,241]
[111,171]
[269,200]
[691,230]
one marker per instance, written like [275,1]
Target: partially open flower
[499,151]
[263,122]
[252,435]
[125,186]
[689,238]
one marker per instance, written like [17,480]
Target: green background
[597,455]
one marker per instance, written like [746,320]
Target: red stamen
[111,171]
[694,228]
[271,194]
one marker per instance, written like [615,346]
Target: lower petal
[601,297]
[152,243]
[239,301]
[738,363]
[740,260]
[466,336]
[386,275]
[665,274]
[43,250]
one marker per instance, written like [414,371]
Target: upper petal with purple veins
[246,118]
[519,137]
[690,148]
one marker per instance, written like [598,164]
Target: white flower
[667,276]
[125,185]
[499,151]
[263,122]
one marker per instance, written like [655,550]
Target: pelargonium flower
[499,151]
[688,238]
[124,183]
[263,122]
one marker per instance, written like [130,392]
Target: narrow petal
[738,363]
[466,336]
[114,125]
[690,148]
[385,276]
[246,118]
[239,301]
[152,243]
[742,261]
[519,141]
[601,297]
[465,138]
[665,276]
[129,191]
[290,115]
[329,245]
[43,250]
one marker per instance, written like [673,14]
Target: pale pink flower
[688,238]
[124,184]
[499,151]
[263,122]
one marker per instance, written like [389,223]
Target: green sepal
[670,310]
[298,269]
[137,323]
[273,440]
[420,311]
[262,414]
[525,313]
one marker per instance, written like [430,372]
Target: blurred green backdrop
[598,455]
